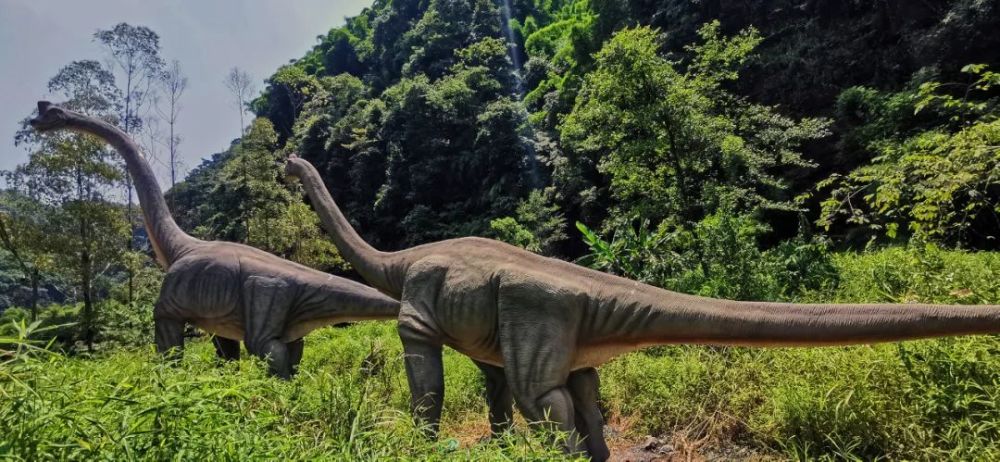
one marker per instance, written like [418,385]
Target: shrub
[720,257]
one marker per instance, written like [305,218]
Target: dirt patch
[667,449]
[679,446]
[626,447]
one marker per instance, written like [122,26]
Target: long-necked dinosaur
[549,323]
[234,291]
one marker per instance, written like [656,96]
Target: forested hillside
[412,110]
[687,132]
[809,150]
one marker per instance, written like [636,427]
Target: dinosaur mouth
[42,125]
[48,118]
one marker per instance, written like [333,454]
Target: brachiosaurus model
[234,291]
[548,323]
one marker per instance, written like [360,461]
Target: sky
[208,37]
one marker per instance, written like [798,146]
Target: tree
[71,174]
[288,90]
[240,195]
[23,235]
[240,84]
[174,84]
[464,123]
[389,52]
[935,162]
[196,201]
[251,174]
[337,132]
[537,226]
[691,149]
[135,53]
[446,26]
[339,53]
[90,88]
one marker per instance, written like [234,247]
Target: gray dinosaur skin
[234,291]
[548,323]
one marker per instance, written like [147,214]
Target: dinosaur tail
[678,318]
[369,262]
[169,241]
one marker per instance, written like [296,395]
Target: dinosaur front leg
[584,386]
[422,344]
[425,375]
[267,304]
[226,349]
[499,398]
[169,336]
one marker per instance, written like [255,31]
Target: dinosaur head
[50,117]
[294,166]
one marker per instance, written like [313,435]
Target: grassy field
[927,400]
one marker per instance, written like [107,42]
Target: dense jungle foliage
[808,151]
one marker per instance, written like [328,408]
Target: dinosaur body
[234,291]
[548,323]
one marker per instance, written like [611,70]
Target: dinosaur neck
[370,263]
[327,300]
[347,301]
[168,240]
[653,316]
[369,307]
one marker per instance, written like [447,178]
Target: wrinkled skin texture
[234,291]
[239,293]
[547,323]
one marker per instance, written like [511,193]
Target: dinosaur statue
[548,323]
[235,291]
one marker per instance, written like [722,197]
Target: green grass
[349,403]
[927,400]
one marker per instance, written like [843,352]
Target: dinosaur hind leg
[584,386]
[267,305]
[538,343]
[549,405]
[499,398]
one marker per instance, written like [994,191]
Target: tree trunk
[173,154]
[128,186]
[246,188]
[85,287]
[131,243]
[88,302]
[85,265]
